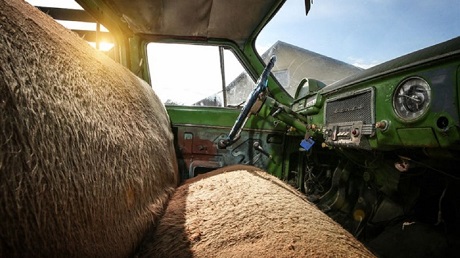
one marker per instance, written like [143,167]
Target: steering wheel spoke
[251,106]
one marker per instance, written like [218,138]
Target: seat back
[87,161]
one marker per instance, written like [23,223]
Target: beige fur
[244,212]
[86,151]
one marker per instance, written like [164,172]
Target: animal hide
[87,161]
[244,212]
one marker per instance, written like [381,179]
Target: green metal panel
[214,116]
[418,137]
[222,119]
[442,118]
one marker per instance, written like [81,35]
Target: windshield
[339,38]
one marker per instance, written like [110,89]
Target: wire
[434,169]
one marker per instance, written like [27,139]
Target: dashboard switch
[334,133]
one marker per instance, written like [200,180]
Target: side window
[191,75]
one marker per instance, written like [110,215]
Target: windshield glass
[339,38]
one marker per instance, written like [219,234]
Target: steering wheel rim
[247,109]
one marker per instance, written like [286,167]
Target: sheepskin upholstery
[86,150]
[244,212]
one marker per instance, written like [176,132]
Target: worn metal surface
[199,152]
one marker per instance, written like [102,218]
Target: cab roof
[235,20]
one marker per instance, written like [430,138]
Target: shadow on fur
[243,212]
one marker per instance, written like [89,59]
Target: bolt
[382,125]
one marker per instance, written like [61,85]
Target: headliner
[236,20]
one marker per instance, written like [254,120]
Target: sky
[359,32]
[364,32]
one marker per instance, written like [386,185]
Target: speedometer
[412,98]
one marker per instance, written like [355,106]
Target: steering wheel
[249,107]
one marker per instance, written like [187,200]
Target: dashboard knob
[382,125]
[355,132]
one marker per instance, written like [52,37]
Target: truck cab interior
[377,151]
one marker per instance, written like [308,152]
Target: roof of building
[293,64]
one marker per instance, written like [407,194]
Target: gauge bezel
[417,114]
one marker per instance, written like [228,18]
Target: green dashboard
[409,102]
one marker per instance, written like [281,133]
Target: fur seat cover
[87,161]
[241,211]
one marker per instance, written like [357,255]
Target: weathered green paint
[422,137]
[214,116]
[223,119]
[384,89]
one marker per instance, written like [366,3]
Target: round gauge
[412,98]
